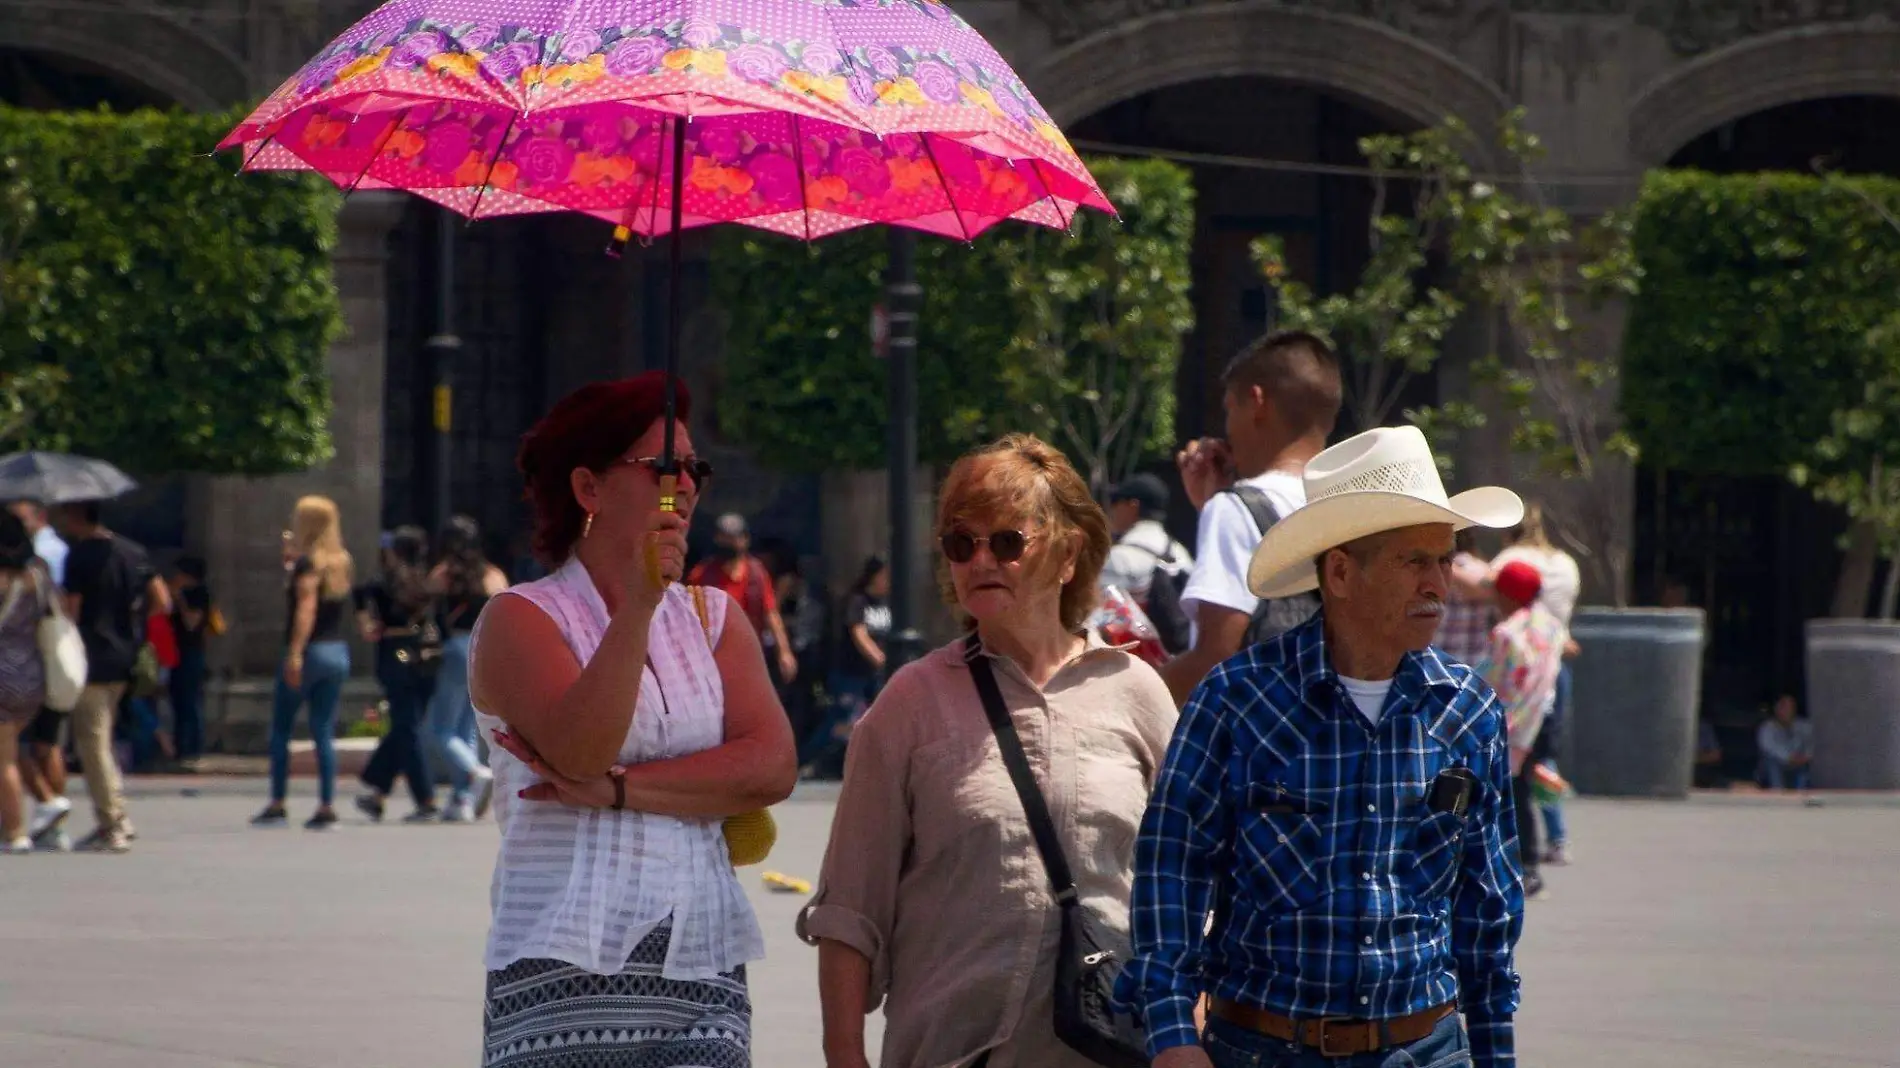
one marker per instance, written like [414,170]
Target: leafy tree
[23,395]
[1466,243]
[1103,314]
[190,308]
[801,383]
[1391,327]
[1071,336]
[1761,341]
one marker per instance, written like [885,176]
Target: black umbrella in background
[60,478]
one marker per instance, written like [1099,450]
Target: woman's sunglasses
[700,470]
[1007,546]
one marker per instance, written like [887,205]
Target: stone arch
[1352,57]
[1788,67]
[170,60]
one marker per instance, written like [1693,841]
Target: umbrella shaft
[674,296]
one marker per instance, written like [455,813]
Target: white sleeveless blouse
[584,886]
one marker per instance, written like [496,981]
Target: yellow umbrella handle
[669,502]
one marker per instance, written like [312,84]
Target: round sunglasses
[1008,546]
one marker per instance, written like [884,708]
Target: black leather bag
[1091,953]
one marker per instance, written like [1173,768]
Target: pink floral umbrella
[805,117]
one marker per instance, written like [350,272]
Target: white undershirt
[1368,696]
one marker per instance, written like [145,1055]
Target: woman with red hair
[630,721]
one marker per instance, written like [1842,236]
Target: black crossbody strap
[1041,824]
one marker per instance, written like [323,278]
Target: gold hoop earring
[587,526]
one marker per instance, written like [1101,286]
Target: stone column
[237,522]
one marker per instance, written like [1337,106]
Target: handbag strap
[13,597]
[1041,825]
[705,616]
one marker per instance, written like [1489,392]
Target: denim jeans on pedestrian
[1230,1046]
[402,751]
[1556,726]
[1778,776]
[142,727]
[187,687]
[452,717]
[1553,813]
[325,667]
[851,695]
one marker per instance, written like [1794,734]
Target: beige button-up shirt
[932,873]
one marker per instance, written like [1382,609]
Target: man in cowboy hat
[1338,801]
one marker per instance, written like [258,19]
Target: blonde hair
[316,529]
[1023,478]
[1530,531]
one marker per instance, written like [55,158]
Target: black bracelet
[620,791]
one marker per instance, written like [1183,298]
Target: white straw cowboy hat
[1380,480]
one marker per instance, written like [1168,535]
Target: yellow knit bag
[750,836]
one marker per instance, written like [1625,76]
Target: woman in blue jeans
[463,581]
[316,657]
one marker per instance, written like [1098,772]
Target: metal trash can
[1636,688]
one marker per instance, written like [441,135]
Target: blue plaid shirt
[1304,828]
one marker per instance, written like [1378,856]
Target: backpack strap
[705,615]
[1258,505]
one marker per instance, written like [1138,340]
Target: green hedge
[1009,322]
[189,307]
[1750,330]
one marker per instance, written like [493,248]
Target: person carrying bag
[1092,954]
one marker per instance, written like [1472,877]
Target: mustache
[1429,609]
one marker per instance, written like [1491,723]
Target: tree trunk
[1857,572]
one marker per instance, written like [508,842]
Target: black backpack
[1164,604]
[1273,616]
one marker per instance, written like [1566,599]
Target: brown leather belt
[1334,1036]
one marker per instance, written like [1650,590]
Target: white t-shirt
[1226,540]
[1562,582]
[1368,697]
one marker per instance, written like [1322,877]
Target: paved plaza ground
[1710,933]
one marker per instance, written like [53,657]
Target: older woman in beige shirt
[933,900]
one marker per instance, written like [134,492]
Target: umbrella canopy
[58,478]
[806,117]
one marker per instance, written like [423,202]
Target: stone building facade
[1613,87]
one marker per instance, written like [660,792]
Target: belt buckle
[1325,1030]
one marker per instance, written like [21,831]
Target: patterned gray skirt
[550,1014]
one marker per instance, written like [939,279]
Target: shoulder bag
[1091,954]
[63,651]
[749,835]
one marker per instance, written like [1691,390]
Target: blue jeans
[1229,1046]
[1778,776]
[325,667]
[142,724]
[452,717]
[1553,817]
[187,685]
[851,695]
[401,752]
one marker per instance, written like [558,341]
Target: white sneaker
[1557,855]
[47,815]
[54,841]
[483,785]
[22,844]
[462,811]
